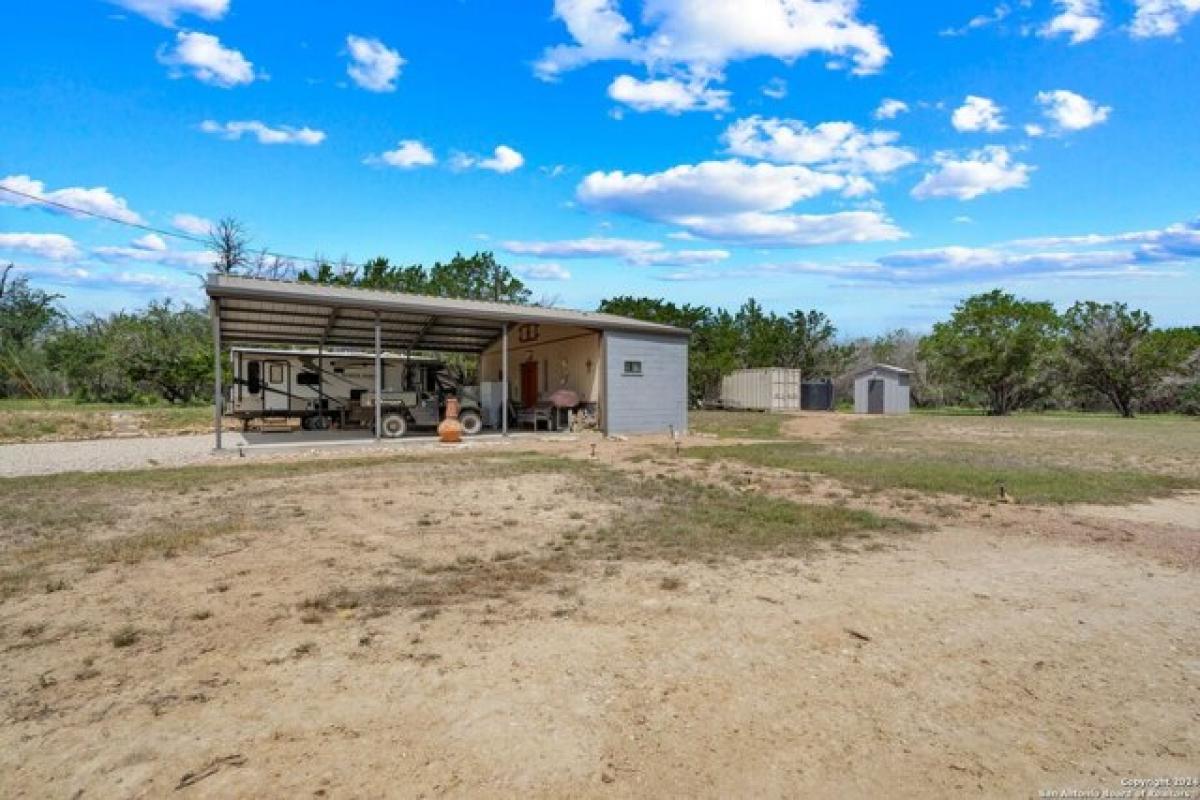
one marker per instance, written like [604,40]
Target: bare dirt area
[813,425]
[382,627]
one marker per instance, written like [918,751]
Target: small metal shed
[881,389]
[767,389]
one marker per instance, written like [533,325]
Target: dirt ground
[1000,652]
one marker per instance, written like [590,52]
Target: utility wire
[151,229]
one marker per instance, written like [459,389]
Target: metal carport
[256,312]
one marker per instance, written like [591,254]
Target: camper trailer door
[276,385]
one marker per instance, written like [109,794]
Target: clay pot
[450,429]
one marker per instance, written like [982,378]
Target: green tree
[27,317]
[764,336]
[25,313]
[995,345]
[475,277]
[1114,351]
[812,345]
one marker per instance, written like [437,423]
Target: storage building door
[875,396]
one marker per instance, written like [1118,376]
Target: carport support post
[378,379]
[217,398]
[504,374]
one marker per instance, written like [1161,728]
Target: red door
[529,384]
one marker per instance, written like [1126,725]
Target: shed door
[875,396]
[276,384]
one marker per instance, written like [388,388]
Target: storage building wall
[767,389]
[645,383]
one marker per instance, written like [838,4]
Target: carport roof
[254,311]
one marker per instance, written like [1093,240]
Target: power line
[151,229]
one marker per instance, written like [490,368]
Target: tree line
[995,351]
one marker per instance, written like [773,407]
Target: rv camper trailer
[325,389]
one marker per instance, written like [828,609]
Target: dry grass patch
[965,471]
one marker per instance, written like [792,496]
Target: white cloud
[737,202]
[97,200]
[991,169]
[590,247]
[373,65]
[1178,242]
[837,146]
[1070,111]
[776,88]
[671,95]
[265,134]
[963,219]
[707,188]
[600,32]
[638,252]
[1078,19]
[890,109]
[1134,256]
[503,159]
[549,271]
[53,246]
[167,12]
[207,60]
[679,258]
[152,242]
[1162,17]
[152,248]
[999,13]
[1033,130]
[409,154]
[190,223]
[697,38]
[978,114]
[795,230]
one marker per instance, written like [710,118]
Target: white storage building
[881,389]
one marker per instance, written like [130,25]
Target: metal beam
[333,315]
[504,374]
[217,393]
[378,378]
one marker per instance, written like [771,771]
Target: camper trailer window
[308,378]
[254,377]
[633,368]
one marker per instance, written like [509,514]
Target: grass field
[736,424]
[64,420]
[1038,459]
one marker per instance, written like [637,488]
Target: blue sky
[858,157]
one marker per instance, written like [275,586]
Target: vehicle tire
[320,423]
[393,426]
[471,422]
[306,423]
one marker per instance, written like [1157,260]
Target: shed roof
[254,311]
[883,368]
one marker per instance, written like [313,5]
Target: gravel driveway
[106,455]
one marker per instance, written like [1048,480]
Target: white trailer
[324,389]
[769,389]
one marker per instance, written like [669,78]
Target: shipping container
[769,389]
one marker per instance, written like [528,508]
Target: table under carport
[633,373]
